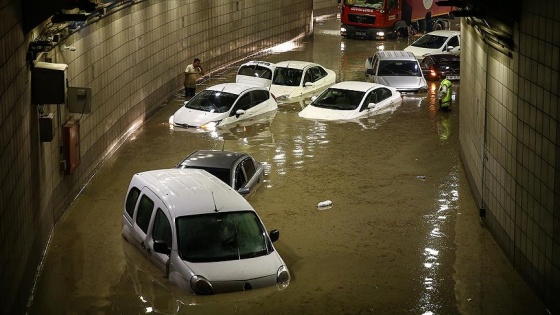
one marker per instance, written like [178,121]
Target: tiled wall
[509,132]
[132,60]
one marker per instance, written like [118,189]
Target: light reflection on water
[443,216]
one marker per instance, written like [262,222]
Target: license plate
[453,77]
[358,33]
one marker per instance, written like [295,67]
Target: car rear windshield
[429,41]
[399,68]
[339,99]
[255,71]
[221,236]
[212,101]
[287,76]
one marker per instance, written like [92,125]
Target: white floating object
[323,204]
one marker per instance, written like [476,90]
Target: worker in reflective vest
[444,93]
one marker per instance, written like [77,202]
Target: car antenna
[215,207]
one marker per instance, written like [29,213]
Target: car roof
[235,88]
[295,64]
[212,158]
[355,85]
[395,55]
[258,62]
[445,33]
[191,191]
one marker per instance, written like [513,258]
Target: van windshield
[219,236]
[399,68]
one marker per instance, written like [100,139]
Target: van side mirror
[161,247]
[274,235]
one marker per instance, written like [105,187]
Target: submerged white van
[201,233]
[398,69]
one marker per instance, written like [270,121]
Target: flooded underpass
[402,235]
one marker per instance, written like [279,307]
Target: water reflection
[437,241]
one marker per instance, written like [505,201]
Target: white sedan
[352,99]
[223,104]
[436,42]
[297,78]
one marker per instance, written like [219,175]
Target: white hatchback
[223,104]
[201,233]
[352,99]
[298,78]
[436,42]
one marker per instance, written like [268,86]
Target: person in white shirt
[192,73]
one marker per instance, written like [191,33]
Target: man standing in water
[444,93]
[192,73]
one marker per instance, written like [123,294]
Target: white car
[223,104]
[256,73]
[296,78]
[352,99]
[436,42]
[203,235]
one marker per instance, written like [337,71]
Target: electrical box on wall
[46,128]
[48,83]
[71,143]
[79,100]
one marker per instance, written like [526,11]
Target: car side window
[371,98]
[382,94]
[144,213]
[308,76]
[260,96]
[323,73]
[131,200]
[249,167]
[162,228]
[244,103]
[316,74]
[453,42]
[426,63]
[240,180]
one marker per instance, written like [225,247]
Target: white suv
[436,42]
[203,234]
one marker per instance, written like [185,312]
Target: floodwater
[401,237]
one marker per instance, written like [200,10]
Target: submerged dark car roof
[211,158]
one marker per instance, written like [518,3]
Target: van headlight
[201,286]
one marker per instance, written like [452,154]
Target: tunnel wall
[509,132]
[132,59]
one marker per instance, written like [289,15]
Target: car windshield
[256,71]
[221,236]
[429,41]
[399,68]
[339,99]
[287,76]
[372,4]
[212,101]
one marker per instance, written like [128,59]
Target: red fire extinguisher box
[71,142]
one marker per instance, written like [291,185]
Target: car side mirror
[313,98]
[370,72]
[450,48]
[161,247]
[274,235]
[371,105]
[308,83]
[239,112]
[244,191]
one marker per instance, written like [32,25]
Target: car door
[252,174]
[160,229]
[381,97]
[244,102]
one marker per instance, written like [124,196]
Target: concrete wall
[509,133]
[132,60]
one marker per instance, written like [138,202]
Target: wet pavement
[401,237]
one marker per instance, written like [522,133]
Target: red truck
[380,19]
